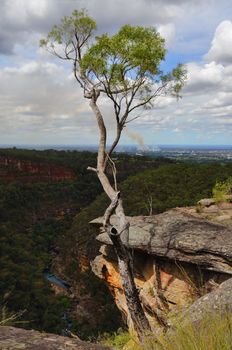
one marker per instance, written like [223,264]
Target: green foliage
[132,48]
[170,186]
[134,53]
[117,340]
[30,226]
[24,255]
[101,303]
[128,61]
[79,26]
[222,190]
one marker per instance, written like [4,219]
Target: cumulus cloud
[205,77]
[38,99]
[40,102]
[20,20]
[205,111]
[167,31]
[220,50]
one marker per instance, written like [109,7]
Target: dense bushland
[33,217]
[37,218]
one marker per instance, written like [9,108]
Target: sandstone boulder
[206,202]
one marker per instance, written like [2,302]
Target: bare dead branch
[117,138]
[92,169]
[114,170]
[157,93]
[132,119]
[102,131]
[109,211]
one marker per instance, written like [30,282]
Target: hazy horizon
[119,146]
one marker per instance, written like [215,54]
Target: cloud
[167,31]
[205,109]
[21,20]
[222,99]
[220,50]
[204,77]
[39,99]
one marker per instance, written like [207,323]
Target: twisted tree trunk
[125,264]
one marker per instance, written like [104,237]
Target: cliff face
[178,256]
[12,169]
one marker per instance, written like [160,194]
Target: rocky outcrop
[216,211]
[12,169]
[15,338]
[217,302]
[180,236]
[178,256]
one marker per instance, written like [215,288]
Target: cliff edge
[178,256]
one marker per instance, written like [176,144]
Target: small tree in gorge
[125,68]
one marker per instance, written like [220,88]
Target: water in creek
[56,280]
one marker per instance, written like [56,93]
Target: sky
[40,102]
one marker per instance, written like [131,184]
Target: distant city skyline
[42,104]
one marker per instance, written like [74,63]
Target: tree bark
[125,264]
[136,312]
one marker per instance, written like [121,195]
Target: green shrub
[117,340]
[222,189]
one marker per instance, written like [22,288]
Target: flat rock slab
[180,236]
[12,338]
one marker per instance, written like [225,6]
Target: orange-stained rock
[31,171]
[174,288]
[83,263]
[171,270]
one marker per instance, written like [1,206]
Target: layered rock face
[12,169]
[178,256]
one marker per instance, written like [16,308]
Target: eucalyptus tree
[125,69]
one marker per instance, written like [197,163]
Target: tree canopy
[124,66]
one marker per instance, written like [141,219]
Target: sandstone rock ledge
[12,338]
[180,235]
[178,256]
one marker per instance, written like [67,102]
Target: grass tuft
[212,333]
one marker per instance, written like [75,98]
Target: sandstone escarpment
[12,169]
[178,256]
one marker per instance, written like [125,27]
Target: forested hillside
[43,220]
[34,215]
